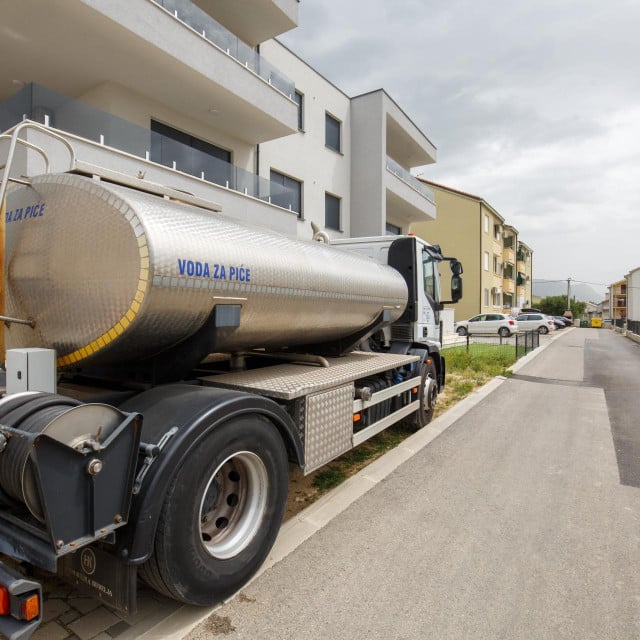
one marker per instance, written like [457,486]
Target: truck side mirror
[456,269]
[456,286]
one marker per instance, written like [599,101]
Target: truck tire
[427,396]
[221,514]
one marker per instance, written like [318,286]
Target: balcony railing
[413,182]
[192,16]
[50,108]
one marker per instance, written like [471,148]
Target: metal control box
[31,369]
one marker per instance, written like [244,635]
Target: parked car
[561,322]
[535,322]
[500,323]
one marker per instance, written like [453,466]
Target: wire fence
[521,343]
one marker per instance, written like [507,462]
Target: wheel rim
[233,505]
[430,395]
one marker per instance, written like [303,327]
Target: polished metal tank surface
[111,274]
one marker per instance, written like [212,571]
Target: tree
[557,305]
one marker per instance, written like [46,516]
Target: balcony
[95,134]
[508,255]
[173,57]
[408,199]
[263,20]
[385,145]
[195,18]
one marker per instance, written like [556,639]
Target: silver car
[535,322]
[500,323]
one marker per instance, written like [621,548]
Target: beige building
[524,275]
[618,300]
[497,266]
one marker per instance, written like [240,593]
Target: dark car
[561,322]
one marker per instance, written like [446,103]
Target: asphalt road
[514,523]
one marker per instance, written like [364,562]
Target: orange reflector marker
[357,417]
[30,607]
[414,390]
[5,606]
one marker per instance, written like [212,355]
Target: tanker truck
[165,365]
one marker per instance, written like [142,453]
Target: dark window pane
[286,192]
[332,134]
[191,155]
[298,98]
[331,211]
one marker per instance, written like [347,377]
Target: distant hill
[581,292]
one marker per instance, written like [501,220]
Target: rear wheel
[543,329]
[503,332]
[221,513]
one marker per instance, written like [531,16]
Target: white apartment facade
[198,96]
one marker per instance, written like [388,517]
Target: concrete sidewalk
[320,514]
[71,616]
[512,524]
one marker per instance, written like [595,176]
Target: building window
[486,261]
[286,192]
[486,223]
[332,133]
[393,230]
[486,297]
[298,98]
[331,212]
[497,299]
[497,265]
[190,154]
[497,232]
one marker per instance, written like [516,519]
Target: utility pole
[568,294]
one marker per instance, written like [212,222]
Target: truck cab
[418,262]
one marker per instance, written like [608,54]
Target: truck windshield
[430,275]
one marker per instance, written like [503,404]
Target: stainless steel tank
[111,274]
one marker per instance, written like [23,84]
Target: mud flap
[103,576]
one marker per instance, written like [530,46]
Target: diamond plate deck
[290,381]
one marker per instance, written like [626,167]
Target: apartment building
[497,265]
[199,97]
[618,300]
[524,275]
[633,300]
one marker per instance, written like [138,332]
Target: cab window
[430,284]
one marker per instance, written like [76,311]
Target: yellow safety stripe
[119,327]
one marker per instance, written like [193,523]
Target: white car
[535,322]
[500,323]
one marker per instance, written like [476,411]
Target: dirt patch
[217,625]
[301,491]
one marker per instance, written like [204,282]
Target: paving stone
[118,629]
[84,604]
[53,608]
[51,631]
[89,626]
[69,617]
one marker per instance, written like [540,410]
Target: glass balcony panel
[412,181]
[77,118]
[214,32]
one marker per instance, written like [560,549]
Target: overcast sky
[533,105]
